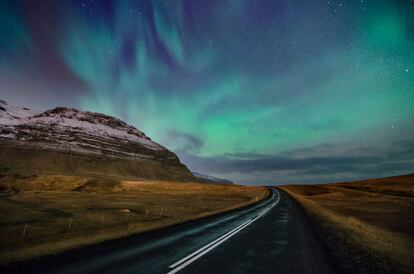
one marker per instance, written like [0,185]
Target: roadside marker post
[24,230]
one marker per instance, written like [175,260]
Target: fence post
[102,219]
[70,224]
[162,209]
[24,230]
[146,214]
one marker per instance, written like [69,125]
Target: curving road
[270,237]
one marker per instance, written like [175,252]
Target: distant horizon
[249,91]
[223,176]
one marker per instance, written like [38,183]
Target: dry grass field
[47,214]
[368,225]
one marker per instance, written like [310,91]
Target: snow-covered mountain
[211,179]
[74,132]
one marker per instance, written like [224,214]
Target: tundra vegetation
[45,214]
[367,225]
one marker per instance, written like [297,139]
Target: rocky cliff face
[82,142]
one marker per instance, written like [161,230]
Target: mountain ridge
[89,136]
[211,179]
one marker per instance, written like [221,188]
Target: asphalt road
[271,237]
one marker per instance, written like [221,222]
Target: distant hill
[74,142]
[211,179]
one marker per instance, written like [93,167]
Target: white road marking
[206,246]
[177,266]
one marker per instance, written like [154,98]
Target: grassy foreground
[48,214]
[367,225]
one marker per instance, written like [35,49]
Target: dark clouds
[182,141]
[317,164]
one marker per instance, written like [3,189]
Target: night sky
[254,91]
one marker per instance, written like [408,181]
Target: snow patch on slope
[12,115]
[69,129]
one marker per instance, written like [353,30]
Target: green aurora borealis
[254,91]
